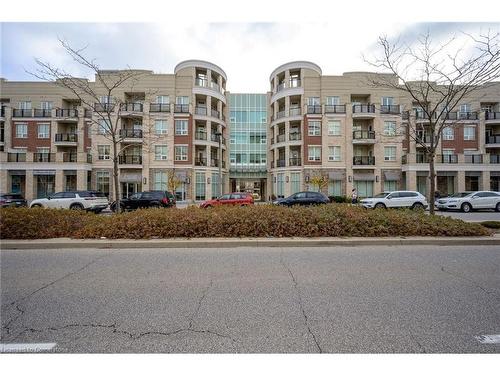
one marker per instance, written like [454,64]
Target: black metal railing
[461,116]
[181,108]
[492,115]
[363,108]
[389,109]
[22,112]
[421,158]
[69,157]
[214,137]
[335,108]
[363,134]
[493,139]
[131,107]
[130,159]
[423,138]
[295,136]
[42,112]
[314,109]
[159,107]
[104,107]
[130,133]
[494,159]
[87,113]
[281,163]
[295,162]
[71,113]
[421,115]
[473,159]
[447,159]
[66,137]
[44,157]
[202,136]
[363,160]
[201,162]
[16,157]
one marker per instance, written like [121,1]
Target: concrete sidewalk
[68,243]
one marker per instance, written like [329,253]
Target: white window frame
[181,130]
[333,100]
[25,105]
[313,100]
[43,150]
[334,153]
[182,100]
[470,137]
[334,130]
[162,99]
[43,135]
[46,105]
[105,99]
[180,156]
[23,134]
[387,100]
[160,130]
[104,129]
[391,156]
[316,130]
[391,133]
[106,155]
[161,152]
[448,133]
[464,108]
[314,153]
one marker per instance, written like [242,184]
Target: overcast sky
[247,52]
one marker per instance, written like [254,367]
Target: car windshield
[381,195]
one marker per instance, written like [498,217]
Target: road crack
[471,282]
[301,305]
[200,301]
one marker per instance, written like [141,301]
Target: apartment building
[168,124]
[359,136]
[248,143]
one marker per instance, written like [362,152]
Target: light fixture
[145,180]
[208,180]
[350,178]
[274,178]
[307,178]
[188,180]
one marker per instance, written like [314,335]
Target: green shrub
[338,199]
[253,221]
[491,224]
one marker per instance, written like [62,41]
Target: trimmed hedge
[331,220]
[491,224]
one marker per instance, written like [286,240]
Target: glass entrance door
[129,188]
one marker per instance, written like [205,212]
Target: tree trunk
[432,176]
[115,179]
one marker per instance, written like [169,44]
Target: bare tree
[437,78]
[105,96]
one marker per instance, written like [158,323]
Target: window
[21,130]
[181,127]
[314,127]
[105,99]
[335,188]
[332,100]
[43,130]
[314,153]
[295,182]
[160,127]
[215,185]
[46,105]
[334,153]
[313,101]
[103,152]
[387,100]
[333,127]
[162,99]
[43,150]
[448,134]
[102,182]
[464,108]
[104,126]
[200,186]
[181,153]
[390,185]
[469,133]
[160,180]
[280,185]
[182,100]
[389,128]
[390,153]
[161,152]
[25,105]
[364,188]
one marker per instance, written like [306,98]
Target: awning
[336,175]
[42,172]
[363,177]
[70,173]
[17,173]
[392,175]
[495,173]
[446,174]
[181,176]
[473,174]
[130,177]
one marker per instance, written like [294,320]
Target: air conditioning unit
[163,157]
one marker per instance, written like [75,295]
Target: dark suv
[12,200]
[304,198]
[146,199]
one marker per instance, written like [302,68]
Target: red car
[233,199]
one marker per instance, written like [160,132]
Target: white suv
[399,199]
[74,200]
[467,202]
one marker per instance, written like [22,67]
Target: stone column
[30,187]
[460,182]
[485,180]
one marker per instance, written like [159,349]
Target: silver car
[396,199]
[466,202]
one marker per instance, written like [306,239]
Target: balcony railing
[130,133]
[281,86]
[130,159]
[201,136]
[214,162]
[66,137]
[202,111]
[314,109]
[69,157]
[447,159]
[494,159]
[363,108]
[473,159]
[131,107]
[200,162]
[295,111]
[335,108]
[16,157]
[295,162]
[281,114]
[404,159]
[272,140]
[421,115]
[71,113]
[281,163]
[493,139]
[405,115]
[159,107]
[363,134]
[87,113]
[181,108]
[421,158]
[42,112]
[363,160]
[22,113]
[44,157]
[492,115]
[389,109]
[104,107]
[214,137]
[280,138]
[215,113]
[423,138]
[295,136]
[461,116]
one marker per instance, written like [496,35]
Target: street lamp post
[218,134]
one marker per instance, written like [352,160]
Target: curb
[67,243]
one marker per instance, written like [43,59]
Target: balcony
[214,137]
[295,111]
[405,115]
[389,110]
[16,157]
[280,138]
[202,111]
[200,162]
[2,111]
[363,160]
[131,107]
[67,113]
[335,108]
[363,108]
[281,163]
[461,116]
[87,113]
[422,116]
[159,107]
[447,159]
[281,86]
[493,139]
[423,139]
[404,159]
[473,159]
[421,158]
[363,135]
[314,109]
[44,157]
[201,82]
[280,114]
[181,108]
[214,162]
[494,159]
[200,136]
[104,107]
[295,136]
[66,137]
[130,159]
[492,116]
[131,133]
[215,113]
[295,162]
[22,113]
[69,157]
[42,113]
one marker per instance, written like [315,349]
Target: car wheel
[417,206]
[36,205]
[466,207]
[76,206]
[497,207]
[380,205]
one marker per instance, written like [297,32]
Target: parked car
[146,199]
[256,196]
[12,200]
[303,198]
[396,199]
[232,199]
[74,200]
[466,202]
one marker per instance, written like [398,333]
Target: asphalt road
[359,299]
[472,216]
